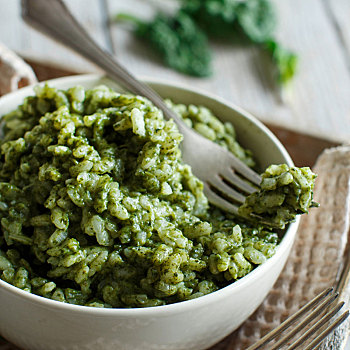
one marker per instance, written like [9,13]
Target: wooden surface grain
[317,104]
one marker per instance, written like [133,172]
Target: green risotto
[98,209]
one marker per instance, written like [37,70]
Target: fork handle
[53,18]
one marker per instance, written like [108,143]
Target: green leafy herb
[285,61]
[185,47]
[216,17]
[254,20]
[181,42]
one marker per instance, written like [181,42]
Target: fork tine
[220,185]
[219,201]
[243,169]
[327,331]
[328,301]
[229,175]
[317,326]
[289,321]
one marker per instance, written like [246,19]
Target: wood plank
[304,149]
[319,105]
[340,13]
[322,88]
[19,37]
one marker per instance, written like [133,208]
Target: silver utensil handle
[53,18]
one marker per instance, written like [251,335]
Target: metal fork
[215,166]
[312,336]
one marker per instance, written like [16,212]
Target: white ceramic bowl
[33,322]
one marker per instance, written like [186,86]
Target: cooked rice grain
[98,209]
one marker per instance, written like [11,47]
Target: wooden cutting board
[303,149]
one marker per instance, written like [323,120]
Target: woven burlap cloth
[316,257]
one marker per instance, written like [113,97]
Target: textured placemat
[316,255]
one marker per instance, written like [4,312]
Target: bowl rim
[179,307]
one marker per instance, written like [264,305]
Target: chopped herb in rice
[97,208]
[284,193]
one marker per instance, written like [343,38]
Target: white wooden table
[318,30]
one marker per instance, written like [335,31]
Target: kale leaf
[253,20]
[256,19]
[216,17]
[181,42]
[285,61]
